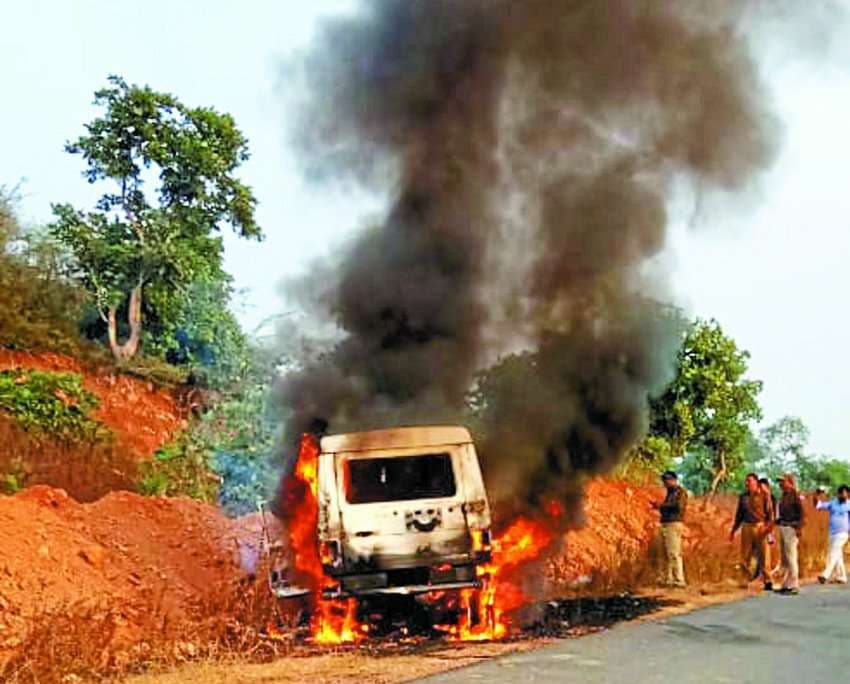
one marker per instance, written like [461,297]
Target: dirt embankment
[619,524]
[114,576]
[619,546]
[142,416]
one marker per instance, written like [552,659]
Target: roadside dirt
[341,666]
[349,666]
[619,545]
[121,572]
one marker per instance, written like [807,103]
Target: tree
[785,444]
[821,471]
[646,459]
[230,451]
[172,184]
[756,453]
[708,406]
[205,336]
[776,449]
[697,467]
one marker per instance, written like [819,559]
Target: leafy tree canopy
[230,452]
[710,403]
[822,471]
[170,182]
[785,443]
[776,449]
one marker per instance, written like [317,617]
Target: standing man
[769,569]
[672,511]
[789,519]
[755,519]
[839,527]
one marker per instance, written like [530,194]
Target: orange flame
[337,623]
[488,618]
[332,622]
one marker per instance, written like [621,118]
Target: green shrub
[14,476]
[180,468]
[11,483]
[242,434]
[41,305]
[227,454]
[50,404]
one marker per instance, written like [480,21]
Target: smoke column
[530,150]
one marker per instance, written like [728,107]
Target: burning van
[401,511]
[392,529]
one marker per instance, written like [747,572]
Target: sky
[774,270]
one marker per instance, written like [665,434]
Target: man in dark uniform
[672,511]
[755,519]
[790,516]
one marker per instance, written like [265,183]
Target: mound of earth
[142,416]
[142,569]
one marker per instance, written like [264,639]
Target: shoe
[768,586]
[821,579]
[788,591]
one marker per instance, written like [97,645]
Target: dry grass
[64,645]
[340,666]
[77,643]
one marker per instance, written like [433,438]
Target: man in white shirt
[839,528]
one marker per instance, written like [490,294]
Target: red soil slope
[621,531]
[125,569]
[142,416]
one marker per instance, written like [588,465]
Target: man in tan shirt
[755,519]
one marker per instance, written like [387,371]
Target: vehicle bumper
[407,590]
[409,581]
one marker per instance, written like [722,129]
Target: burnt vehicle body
[401,511]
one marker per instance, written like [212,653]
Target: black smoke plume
[530,149]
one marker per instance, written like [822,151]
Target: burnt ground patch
[562,618]
[571,617]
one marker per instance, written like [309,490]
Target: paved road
[766,638]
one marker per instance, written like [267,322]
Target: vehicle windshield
[398,478]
